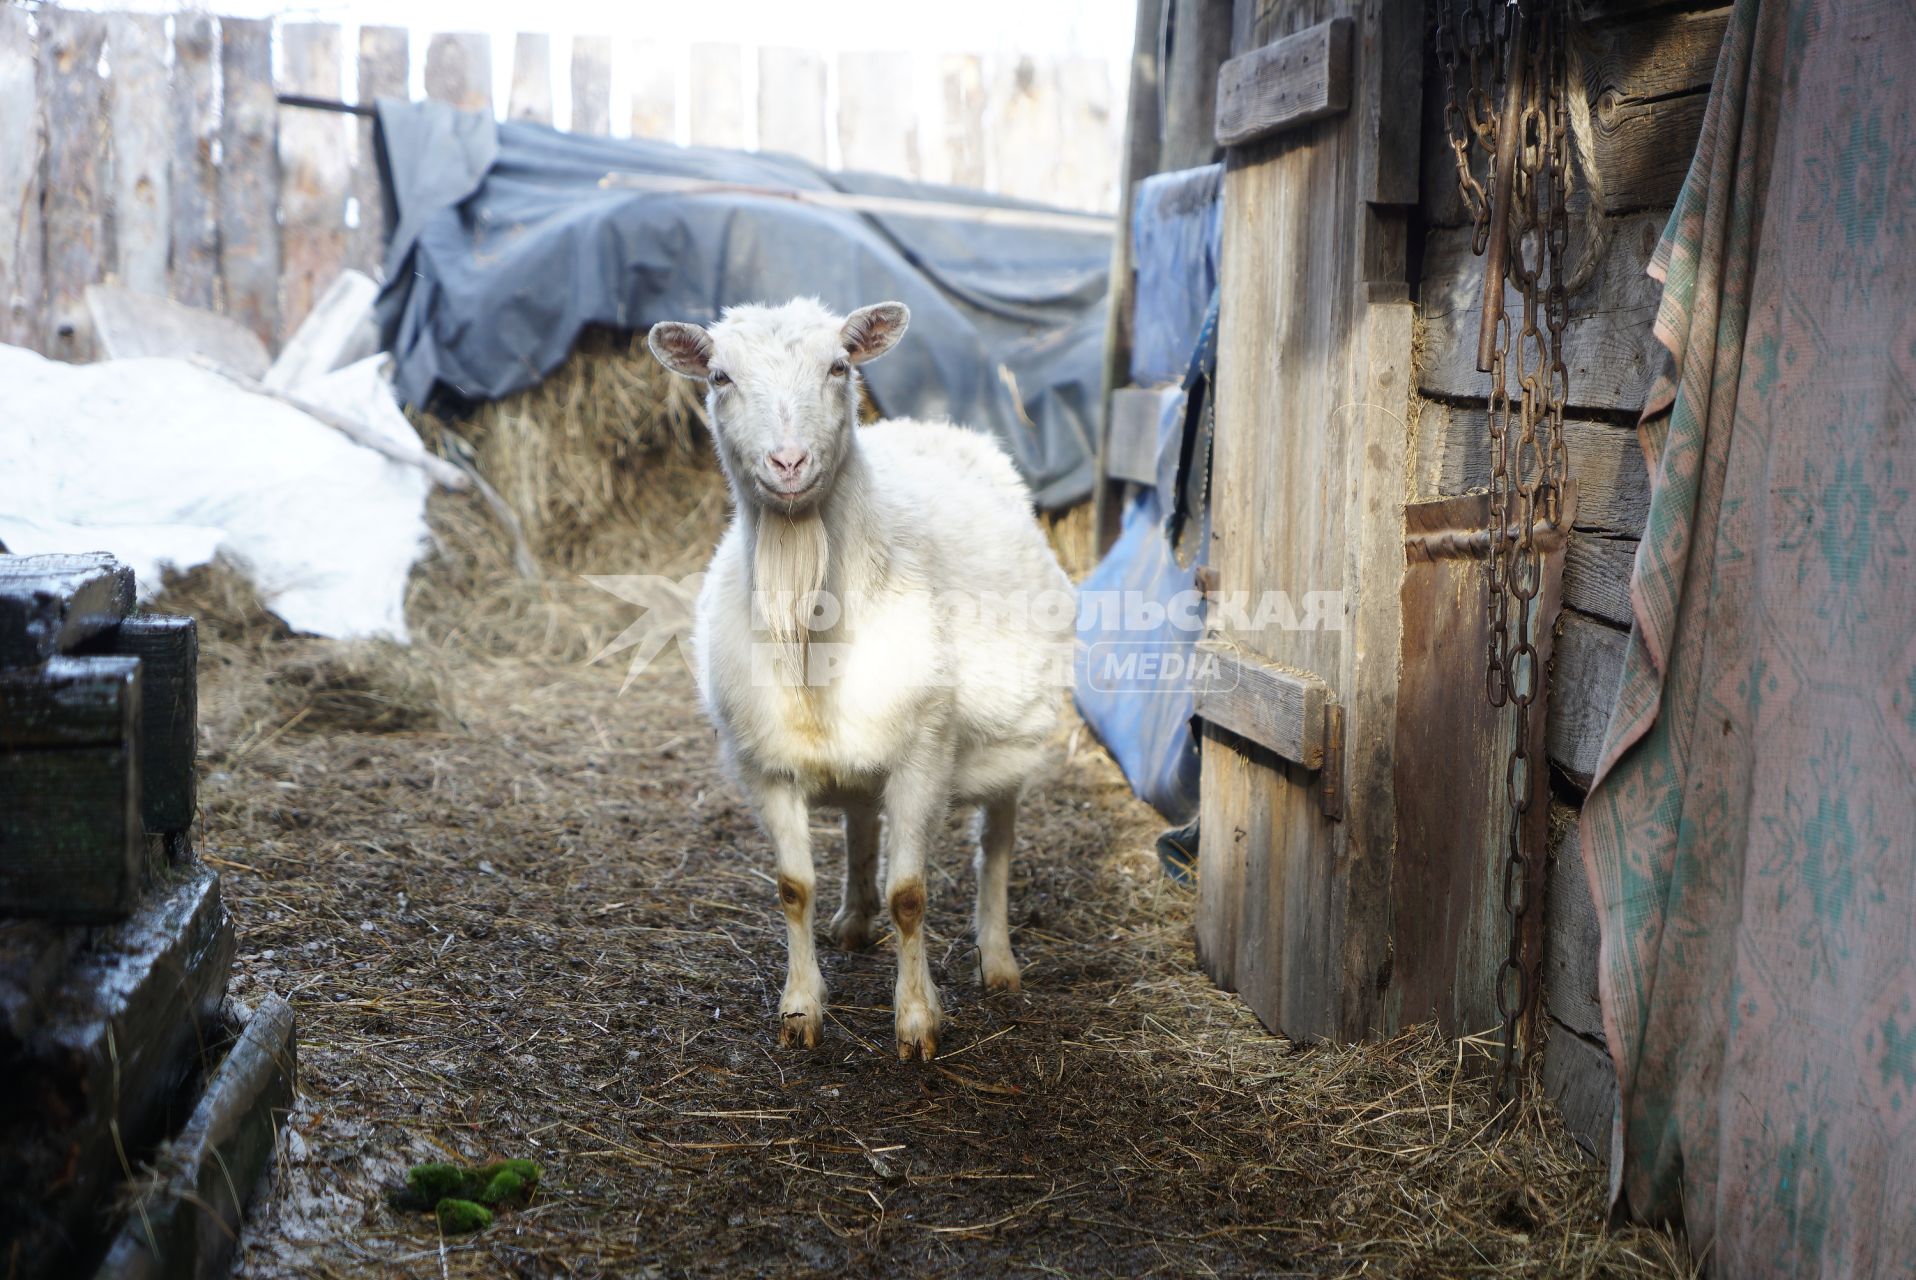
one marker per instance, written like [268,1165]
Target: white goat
[854,645]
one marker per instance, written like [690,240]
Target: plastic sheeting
[1177,230]
[510,239]
[163,463]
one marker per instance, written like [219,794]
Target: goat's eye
[840,368]
[721,379]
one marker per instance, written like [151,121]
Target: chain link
[1481,45]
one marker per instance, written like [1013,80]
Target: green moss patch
[458,1195]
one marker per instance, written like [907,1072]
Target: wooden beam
[1583,691]
[50,604]
[531,95]
[1131,449]
[1200,44]
[1571,933]
[791,103]
[193,182]
[249,176]
[592,85]
[1644,149]
[1277,707]
[1606,461]
[69,702]
[1596,576]
[168,650]
[78,173]
[1287,83]
[1654,57]
[1390,133]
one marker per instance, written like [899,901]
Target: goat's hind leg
[997,832]
[852,925]
[801,1010]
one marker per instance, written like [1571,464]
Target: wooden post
[168,648]
[249,177]
[877,122]
[961,161]
[313,171]
[142,209]
[652,69]
[718,96]
[1200,43]
[77,174]
[791,103]
[23,246]
[459,70]
[383,73]
[592,85]
[531,97]
[193,181]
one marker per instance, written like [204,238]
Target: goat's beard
[790,557]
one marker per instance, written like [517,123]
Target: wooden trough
[115,946]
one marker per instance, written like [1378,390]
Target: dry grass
[541,924]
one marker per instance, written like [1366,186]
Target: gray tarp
[508,241]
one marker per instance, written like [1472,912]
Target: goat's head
[781,390]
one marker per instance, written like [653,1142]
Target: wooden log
[961,161]
[652,69]
[1582,1084]
[72,845]
[70,701]
[1606,461]
[50,604]
[23,283]
[384,71]
[791,103]
[314,172]
[1287,83]
[1571,932]
[1277,707]
[168,649]
[592,85]
[98,1079]
[130,326]
[1596,576]
[188,1223]
[1644,149]
[531,94]
[249,177]
[78,170]
[142,150]
[459,70]
[193,180]
[1608,346]
[877,127]
[718,96]
[1583,691]
[1654,57]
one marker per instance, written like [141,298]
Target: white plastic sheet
[163,463]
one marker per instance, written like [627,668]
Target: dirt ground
[549,929]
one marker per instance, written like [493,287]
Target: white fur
[920,698]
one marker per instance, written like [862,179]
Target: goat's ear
[682,348]
[870,332]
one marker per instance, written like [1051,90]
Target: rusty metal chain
[1513,54]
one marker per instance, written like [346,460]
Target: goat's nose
[790,459]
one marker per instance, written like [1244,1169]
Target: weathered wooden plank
[1606,461]
[34,955]
[50,604]
[1279,708]
[1596,578]
[1391,137]
[78,170]
[1655,57]
[193,181]
[69,702]
[131,325]
[961,160]
[1087,136]
[531,94]
[142,150]
[188,1223]
[1287,83]
[1200,44]
[877,128]
[592,85]
[22,229]
[99,1078]
[314,171]
[718,95]
[459,70]
[72,846]
[384,68]
[1571,932]
[1583,690]
[331,336]
[652,69]
[791,103]
[1023,129]
[1131,446]
[1579,1080]
[168,650]
[249,176]
[1644,149]
[1608,346]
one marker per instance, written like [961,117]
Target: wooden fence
[154,150]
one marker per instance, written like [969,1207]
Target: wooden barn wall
[153,151]
[1647,70]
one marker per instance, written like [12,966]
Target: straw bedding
[521,914]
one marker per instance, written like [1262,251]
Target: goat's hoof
[801,1022]
[1000,973]
[852,932]
[917,1034]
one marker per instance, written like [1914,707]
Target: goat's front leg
[915,801]
[787,819]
